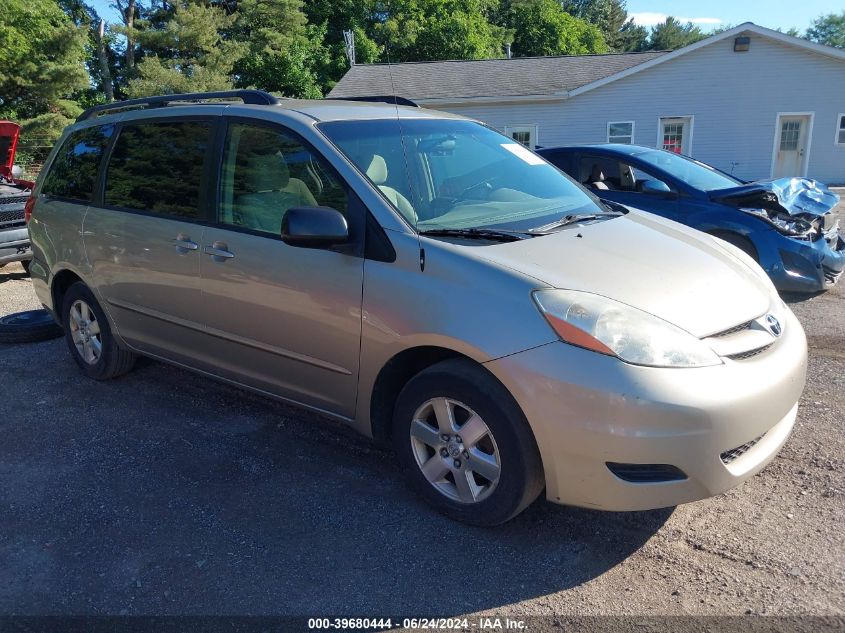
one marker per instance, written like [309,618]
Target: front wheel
[465,445]
[89,337]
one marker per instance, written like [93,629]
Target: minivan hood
[678,274]
[795,196]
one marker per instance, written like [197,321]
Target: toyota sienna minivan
[426,280]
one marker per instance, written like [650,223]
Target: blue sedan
[788,225]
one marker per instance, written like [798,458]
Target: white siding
[734,97]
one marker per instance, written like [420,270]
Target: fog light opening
[646,473]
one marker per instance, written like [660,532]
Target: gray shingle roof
[520,76]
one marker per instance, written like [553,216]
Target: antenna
[349,39]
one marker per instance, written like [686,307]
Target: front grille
[11,219]
[750,353]
[734,330]
[13,199]
[831,276]
[728,456]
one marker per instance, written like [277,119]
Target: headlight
[785,224]
[609,327]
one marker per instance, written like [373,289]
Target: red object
[27,209]
[9,133]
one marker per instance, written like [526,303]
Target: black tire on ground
[113,360]
[28,327]
[521,475]
[25,263]
[741,242]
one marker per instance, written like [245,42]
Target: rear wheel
[741,242]
[89,336]
[465,445]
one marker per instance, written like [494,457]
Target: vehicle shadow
[800,297]
[172,494]
[12,276]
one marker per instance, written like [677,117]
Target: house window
[840,130]
[675,134]
[525,134]
[620,132]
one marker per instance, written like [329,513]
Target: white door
[791,145]
[675,134]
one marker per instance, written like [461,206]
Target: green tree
[828,30]
[284,53]
[188,52]
[419,30]
[673,34]
[42,67]
[542,27]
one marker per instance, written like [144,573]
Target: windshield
[695,174]
[458,174]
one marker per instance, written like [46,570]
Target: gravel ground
[166,493]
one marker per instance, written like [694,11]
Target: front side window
[620,132]
[158,167]
[455,174]
[73,174]
[266,172]
[603,173]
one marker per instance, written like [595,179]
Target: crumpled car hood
[795,196]
[671,271]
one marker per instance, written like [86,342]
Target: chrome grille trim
[728,456]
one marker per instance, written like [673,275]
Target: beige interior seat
[269,192]
[377,172]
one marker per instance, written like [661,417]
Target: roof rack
[391,99]
[251,97]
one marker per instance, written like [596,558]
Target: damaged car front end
[811,255]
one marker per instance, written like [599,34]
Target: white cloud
[650,19]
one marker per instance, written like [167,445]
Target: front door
[283,319]
[143,241]
[675,134]
[791,145]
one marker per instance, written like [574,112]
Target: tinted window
[158,167]
[266,172]
[73,173]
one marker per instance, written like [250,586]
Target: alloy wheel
[455,450]
[85,332]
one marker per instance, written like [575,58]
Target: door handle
[219,252]
[184,244]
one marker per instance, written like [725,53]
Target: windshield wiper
[478,234]
[572,218]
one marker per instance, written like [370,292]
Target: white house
[751,101]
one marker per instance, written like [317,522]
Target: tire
[89,338]
[25,263]
[28,327]
[492,496]
[741,242]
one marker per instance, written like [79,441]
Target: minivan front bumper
[719,425]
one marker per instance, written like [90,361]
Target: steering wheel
[485,185]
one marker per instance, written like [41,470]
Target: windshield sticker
[520,151]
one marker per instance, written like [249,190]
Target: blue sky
[713,13]
[771,13]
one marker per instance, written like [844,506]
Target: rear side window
[73,174]
[158,167]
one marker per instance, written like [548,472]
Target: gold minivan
[426,280]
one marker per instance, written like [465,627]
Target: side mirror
[314,227]
[657,188]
